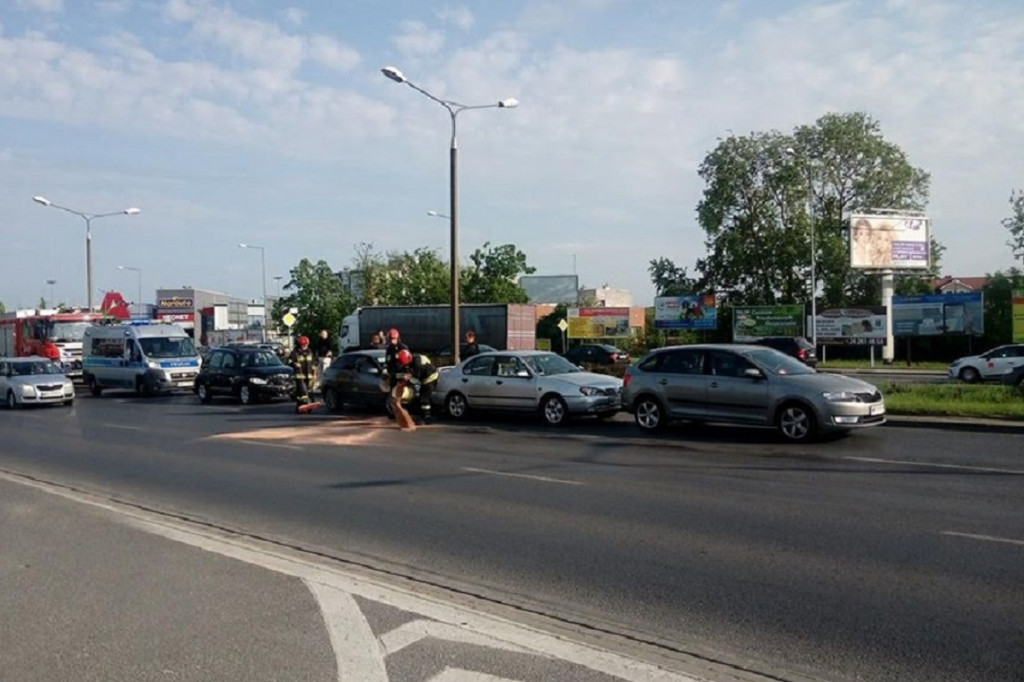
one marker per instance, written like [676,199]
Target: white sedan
[33,381]
[530,382]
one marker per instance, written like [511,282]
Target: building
[199,308]
[959,285]
[606,297]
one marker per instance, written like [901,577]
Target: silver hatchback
[34,381]
[746,384]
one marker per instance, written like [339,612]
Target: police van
[148,358]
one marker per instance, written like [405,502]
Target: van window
[108,348]
[168,347]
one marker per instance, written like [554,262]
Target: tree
[3,308]
[547,327]
[494,275]
[670,279]
[1015,225]
[318,295]
[998,293]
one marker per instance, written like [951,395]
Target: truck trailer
[428,328]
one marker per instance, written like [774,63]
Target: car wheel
[69,403]
[970,375]
[331,400]
[554,411]
[94,388]
[246,395]
[455,405]
[204,393]
[12,402]
[648,414]
[796,423]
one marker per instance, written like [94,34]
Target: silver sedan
[33,381]
[530,382]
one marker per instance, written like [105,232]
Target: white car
[527,381]
[990,366]
[34,381]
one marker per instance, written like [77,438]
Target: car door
[208,371]
[366,376]
[515,386]
[342,379]
[477,381]
[731,394]
[1001,361]
[682,383]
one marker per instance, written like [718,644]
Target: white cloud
[416,39]
[295,16]
[48,6]
[461,17]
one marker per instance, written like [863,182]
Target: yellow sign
[1018,315]
[543,344]
[599,323]
[288,319]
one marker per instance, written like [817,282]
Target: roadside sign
[563,325]
[293,311]
[288,319]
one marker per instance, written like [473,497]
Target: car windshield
[774,362]
[547,364]
[263,358]
[34,368]
[68,331]
[175,347]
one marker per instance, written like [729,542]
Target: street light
[88,218]
[263,265]
[439,215]
[454,109]
[814,254]
[138,271]
[278,279]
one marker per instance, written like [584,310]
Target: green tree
[547,327]
[318,295]
[1015,225]
[999,306]
[3,308]
[494,275]
[670,279]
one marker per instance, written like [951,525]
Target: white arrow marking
[356,650]
[412,632]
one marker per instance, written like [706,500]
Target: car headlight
[590,390]
[840,397]
[257,381]
[28,391]
[153,364]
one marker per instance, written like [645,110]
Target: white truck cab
[148,358]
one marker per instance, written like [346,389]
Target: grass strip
[955,400]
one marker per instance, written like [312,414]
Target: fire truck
[46,333]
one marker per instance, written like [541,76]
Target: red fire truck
[46,333]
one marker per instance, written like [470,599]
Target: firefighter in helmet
[303,361]
[391,351]
[418,368]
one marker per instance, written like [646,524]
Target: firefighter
[391,351]
[303,361]
[419,369]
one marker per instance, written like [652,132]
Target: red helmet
[393,333]
[303,341]
[404,357]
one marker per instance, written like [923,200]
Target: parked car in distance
[1015,377]
[746,384]
[527,381]
[34,381]
[248,373]
[596,354]
[794,346]
[354,379]
[990,366]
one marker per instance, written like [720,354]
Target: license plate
[876,409]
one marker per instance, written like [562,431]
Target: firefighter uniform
[422,370]
[303,361]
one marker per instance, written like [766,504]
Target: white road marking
[458,675]
[408,634]
[270,445]
[546,479]
[123,427]
[358,653]
[989,538]
[963,467]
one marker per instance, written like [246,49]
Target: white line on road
[270,445]
[358,653]
[123,427]
[963,467]
[408,634]
[529,476]
[989,538]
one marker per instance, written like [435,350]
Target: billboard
[754,322]
[863,326]
[598,323]
[1018,315]
[685,312]
[552,289]
[934,314]
[891,242]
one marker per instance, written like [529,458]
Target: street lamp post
[809,207]
[278,279]
[88,218]
[454,109]
[263,279]
[137,271]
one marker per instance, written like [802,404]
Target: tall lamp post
[454,109]
[263,279]
[278,279]
[137,271]
[88,218]
[814,254]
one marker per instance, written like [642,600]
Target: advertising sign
[685,312]
[175,303]
[754,322]
[889,242]
[1018,315]
[934,314]
[599,323]
[863,326]
[551,288]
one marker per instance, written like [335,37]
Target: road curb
[956,424]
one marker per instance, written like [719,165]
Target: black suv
[596,354]
[250,374]
[797,346]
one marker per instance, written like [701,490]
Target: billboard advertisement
[551,289]
[754,322]
[685,312]
[598,323]
[863,326]
[1018,315]
[934,314]
[890,242]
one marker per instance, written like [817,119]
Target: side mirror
[753,373]
[524,374]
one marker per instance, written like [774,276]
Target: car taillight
[626,379]
[802,353]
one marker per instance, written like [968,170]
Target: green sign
[754,322]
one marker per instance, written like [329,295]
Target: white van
[148,358]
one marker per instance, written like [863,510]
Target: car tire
[204,393]
[455,405]
[796,423]
[970,375]
[12,402]
[554,411]
[332,400]
[649,414]
[69,403]
[95,389]
[246,395]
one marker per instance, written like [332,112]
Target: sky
[270,123]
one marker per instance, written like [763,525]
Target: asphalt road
[892,554]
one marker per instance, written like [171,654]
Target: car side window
[683,362]
[216,359]
[367,366]
[508,366]
[725,364]
[345,362]
[229,361]
[482,366]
